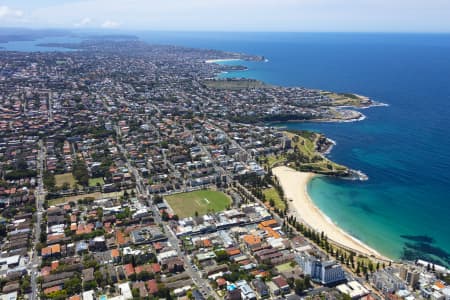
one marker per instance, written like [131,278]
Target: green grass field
[284,267]
[202,202]
[94,181]
[60,179]
[271,193]
[96,195]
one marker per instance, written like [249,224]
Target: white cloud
[83,22]
[248,15]
[9,13]
[108,24]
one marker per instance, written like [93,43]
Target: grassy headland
[347,99]
[307,155]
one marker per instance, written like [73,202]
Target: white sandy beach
[294,185]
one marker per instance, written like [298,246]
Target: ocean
[403,210]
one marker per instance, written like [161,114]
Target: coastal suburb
[133,171]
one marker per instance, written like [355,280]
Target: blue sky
[231,15]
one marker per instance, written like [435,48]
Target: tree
[58,295]
[358,269]
[307,281]
[73,285]
[25,284]
[89,285]
[299,286]
[3,231]
[65,186]
[99,278]
[272,202]
[370,266]
[135,292]
[49,180]
[221,256]
[80,172]
[346,297]
[144,276]
[21,164]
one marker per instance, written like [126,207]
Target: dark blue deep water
[403,148]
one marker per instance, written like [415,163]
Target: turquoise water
[403,148]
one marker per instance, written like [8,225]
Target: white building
[354,289]
[125,290]
[327,272]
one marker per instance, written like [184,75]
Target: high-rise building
[325,272]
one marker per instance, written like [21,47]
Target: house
[252,241]
[233,294]
[129,270]
[152,287]
[97,244]
[261,288]
[9,296]
[281,284]
[115,255]
[143,268]
[142,289]
[88,274]
[221,282]
[173,265]
[156,268]
[247,292]
[354,289]
[10,261]
[125,290]
[51,251]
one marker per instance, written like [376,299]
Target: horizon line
[121,30]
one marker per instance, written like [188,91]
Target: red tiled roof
[156,268]
[221,281]
[115,253]
[146,268]
[152,286]
[129,269]
[52,289]
[232,252]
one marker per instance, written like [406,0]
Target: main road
[35,261]
[141,189]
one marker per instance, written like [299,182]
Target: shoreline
[218,60]
[362,117]
[294,185]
